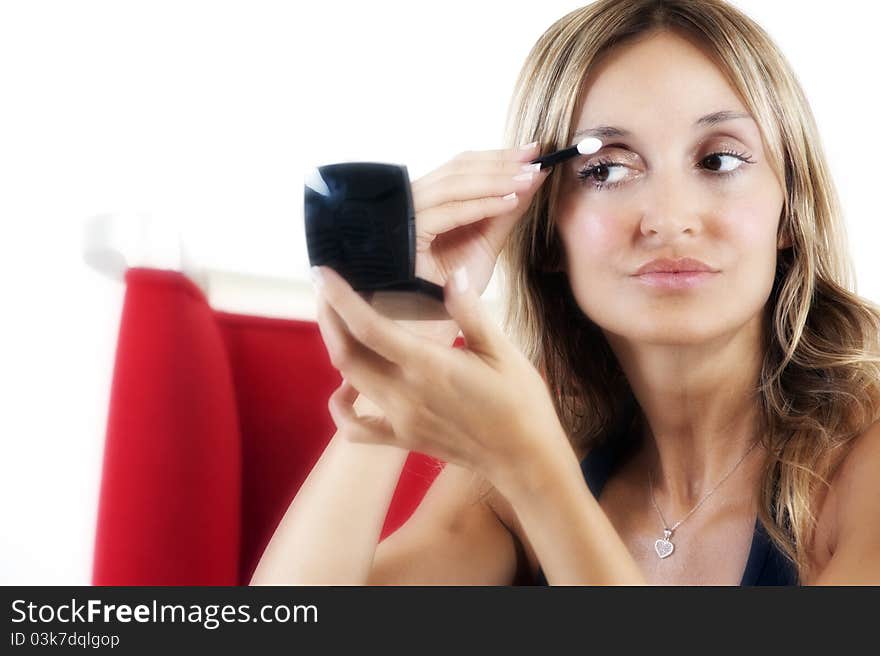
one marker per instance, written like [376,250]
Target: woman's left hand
[484,407]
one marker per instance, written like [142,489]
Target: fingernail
[510,196]
[531,167]
[529,146]
[461,279]
[317,278]
[524,176]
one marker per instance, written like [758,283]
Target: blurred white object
[114,242]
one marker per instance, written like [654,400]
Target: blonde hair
[818,386]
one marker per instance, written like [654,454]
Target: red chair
[215,421]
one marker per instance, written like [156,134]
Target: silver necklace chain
[664,546]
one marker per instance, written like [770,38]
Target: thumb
[481,334]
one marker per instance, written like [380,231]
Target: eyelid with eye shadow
[585,173]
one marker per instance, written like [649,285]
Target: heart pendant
[663,547]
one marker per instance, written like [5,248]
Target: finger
[371,374]
[442,218]
[437,220]
[353,427]
[502,167]
[371,430]
[503,213]
[373,330]
[347,392]
[499,153]
[341,403]
[467,186]
[482,334]
[507,161]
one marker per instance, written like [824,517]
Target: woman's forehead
[661,78]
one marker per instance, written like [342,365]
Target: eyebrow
[605,132]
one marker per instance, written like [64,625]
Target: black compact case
[360,222]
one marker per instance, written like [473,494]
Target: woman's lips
[676,280]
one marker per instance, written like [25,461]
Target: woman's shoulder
[506,514]
[847,519]
[855,485]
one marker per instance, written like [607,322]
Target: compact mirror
[360,221]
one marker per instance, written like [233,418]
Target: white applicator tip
[589,145]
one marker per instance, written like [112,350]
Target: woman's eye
[603,174]
[735,160]
[607,174]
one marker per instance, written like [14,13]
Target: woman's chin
[678,329]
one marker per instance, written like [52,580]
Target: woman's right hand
[461,217]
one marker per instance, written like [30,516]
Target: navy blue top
[766,564]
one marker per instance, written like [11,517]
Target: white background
[207,115]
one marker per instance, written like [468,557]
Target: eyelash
[585,174]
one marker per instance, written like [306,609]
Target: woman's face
[668,193]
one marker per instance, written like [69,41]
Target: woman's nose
[669,209]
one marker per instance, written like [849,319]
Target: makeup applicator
[586,146]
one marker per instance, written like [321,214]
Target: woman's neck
[700,411]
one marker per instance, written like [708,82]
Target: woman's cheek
[599,229]
[751,231]
[592,238]
[594,242]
